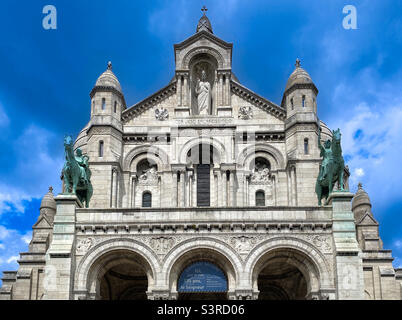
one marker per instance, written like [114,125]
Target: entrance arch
[209,257]
[285,274]
[120,275]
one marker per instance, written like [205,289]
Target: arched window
[305,146]
[103,103]
[260,198]
[147,199]
[115,106]
[100,148]
[303,101]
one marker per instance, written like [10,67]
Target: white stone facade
[151,148]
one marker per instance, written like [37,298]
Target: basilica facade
[205,190]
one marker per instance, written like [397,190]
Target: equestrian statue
[332,166]
[76,173]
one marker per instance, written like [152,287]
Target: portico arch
[283,257]
[126,259]
[197,250]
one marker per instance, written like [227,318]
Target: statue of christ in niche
[203,92]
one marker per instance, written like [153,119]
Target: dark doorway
[203,185]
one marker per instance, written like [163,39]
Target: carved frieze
[321,242]
[149,177]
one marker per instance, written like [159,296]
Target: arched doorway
[121,275]
[202,158]
[202,280]
[202,274]
[285,274]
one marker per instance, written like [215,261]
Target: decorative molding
[245,113]
[161,114]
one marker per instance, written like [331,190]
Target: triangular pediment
[258,101]
[42,223]
[203,35]
[368,219]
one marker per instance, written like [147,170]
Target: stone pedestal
[348,261]
[59,273]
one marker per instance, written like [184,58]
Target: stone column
[294,186]
[231,189]
[179,90]
[185,91]
[224,189]
[174,191]
[189,189]
[227,89]
[133,186]
[348,261]
[183,187]
[220,89]
[220,187]
[195,187]
[59,270]
[114,188]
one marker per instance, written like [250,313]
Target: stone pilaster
[59,270]
[348,261]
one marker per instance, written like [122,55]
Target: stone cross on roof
[109,65]
[204,9]
[297,64]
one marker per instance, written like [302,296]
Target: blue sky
[46,77]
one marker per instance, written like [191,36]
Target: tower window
[103,103]
[147,199]
[93,106]
[100,148]
[260,198]
[303,101]
[115,106]
[306,146]
[291,103]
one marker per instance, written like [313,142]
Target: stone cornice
[258,101]
[148,102]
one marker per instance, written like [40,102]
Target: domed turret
[298,76]
[108,79]
[48,206]
[204,23]
[361,203]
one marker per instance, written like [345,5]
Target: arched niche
[199,63]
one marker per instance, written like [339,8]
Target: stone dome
[108,79]
[82,139]
[326,132]
[204,24]
[48,201]
[298,76]
[361,202]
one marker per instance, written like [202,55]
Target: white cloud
[359,172]
[38,166]
[12,243]
[398,244]
[4,121]
[27,237]
[12,259]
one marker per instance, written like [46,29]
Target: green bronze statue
[76,173]
[332,166]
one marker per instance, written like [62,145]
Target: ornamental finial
[204,9]
[51,189]
[109,65]
[360,186]
[297,64]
